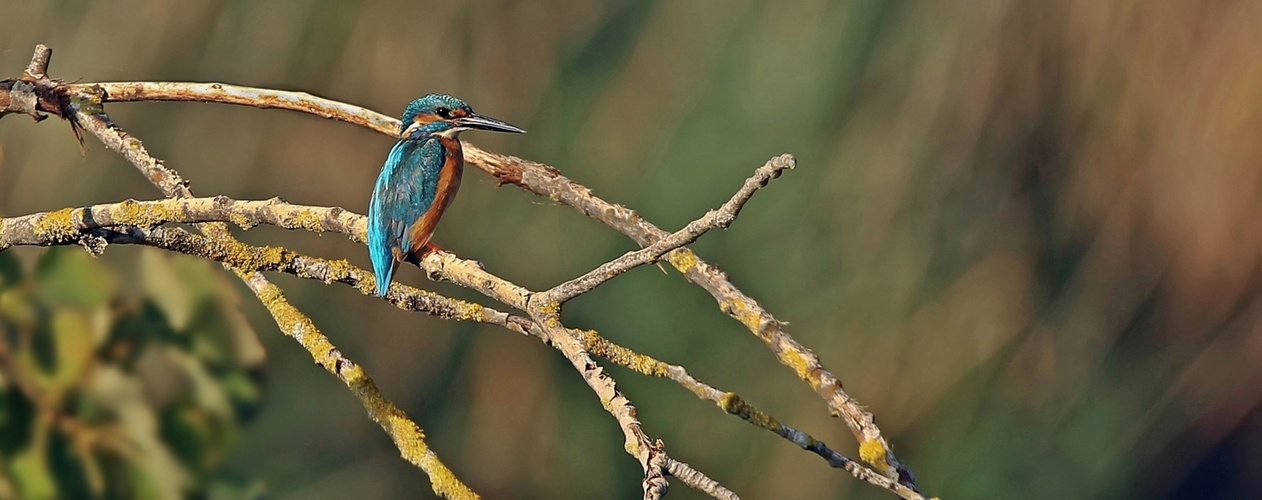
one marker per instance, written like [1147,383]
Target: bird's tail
[383,259]
[384,274]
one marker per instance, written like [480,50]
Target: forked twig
[548,182]
[138,221]
[407,436]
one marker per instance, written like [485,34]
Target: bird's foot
[429,247]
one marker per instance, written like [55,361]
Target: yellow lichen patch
[353,375]
[763,420]
[800,365]
[407,436]
[683,259]
[293,322]
[640,363]
[272,256]
[249,259]
[131,213]
[368,285]
[467,311]
[57,225]
[443,481]
[340,268]
[632,447]
[241,220]
[307,220]
[551,311]
[550,307]
[747,315]
[645,364]
[591,340]
[733,404]
[873,452]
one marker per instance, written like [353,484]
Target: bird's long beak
[485,123]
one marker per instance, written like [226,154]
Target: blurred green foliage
[128,384]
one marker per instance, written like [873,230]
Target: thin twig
[718,218]
[39,63]
[686,473]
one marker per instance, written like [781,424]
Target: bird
[419,179]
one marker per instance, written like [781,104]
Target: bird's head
[440,114]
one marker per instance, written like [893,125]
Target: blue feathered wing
[405,190]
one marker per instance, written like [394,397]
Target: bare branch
[689,475]
[243,96]
[39,63]
[549,182]
[71,225]
[720,218]
[32,93]
[115,224]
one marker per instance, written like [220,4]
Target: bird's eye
[443,112]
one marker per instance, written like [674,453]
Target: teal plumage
[419,178]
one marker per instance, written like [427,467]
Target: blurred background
[1022,233]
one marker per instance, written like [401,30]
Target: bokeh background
[1024,234]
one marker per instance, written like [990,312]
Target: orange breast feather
[448,183]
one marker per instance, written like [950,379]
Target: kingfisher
[419,180]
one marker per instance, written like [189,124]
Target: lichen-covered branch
[544,313]
[64,227]
[169,181]
[733,404]
[408,437]
[118,223]
[547,181]
[54,227]
[133,222]
[84,110]
[82,104]
[244,96]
